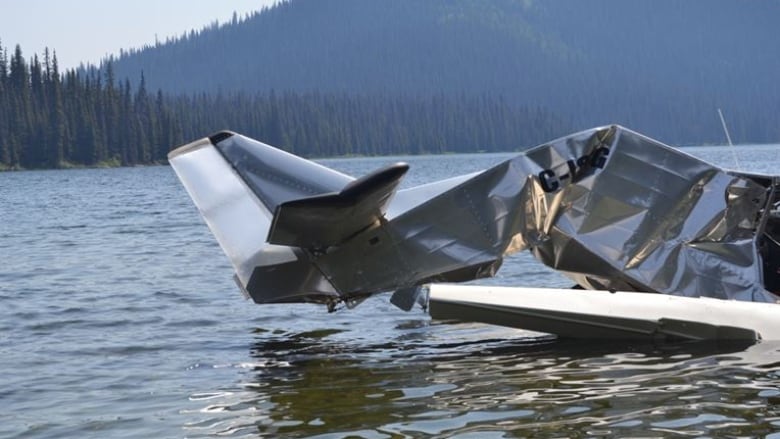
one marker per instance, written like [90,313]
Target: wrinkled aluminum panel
[646,217]
[607,207]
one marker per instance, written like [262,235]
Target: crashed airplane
[609,208]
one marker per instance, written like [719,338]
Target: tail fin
[273,175]
[268,208]
[235,216]
[237,183]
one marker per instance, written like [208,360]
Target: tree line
[660,67]
[50,119]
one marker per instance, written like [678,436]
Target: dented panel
[607,207]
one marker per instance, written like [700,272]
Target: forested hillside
[339,77]
[49,119]
[660,66]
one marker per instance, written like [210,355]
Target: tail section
[322,221]
[273,175]
[225,202]
[271,211]
[237,183]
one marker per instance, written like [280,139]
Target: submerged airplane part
[604,314]
[609,208]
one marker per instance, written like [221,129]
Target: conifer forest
[372,77]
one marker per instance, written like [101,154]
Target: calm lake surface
[119,318]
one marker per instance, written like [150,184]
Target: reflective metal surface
[607,207]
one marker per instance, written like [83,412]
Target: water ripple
[119,318]
[544,387]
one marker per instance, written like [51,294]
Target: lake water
[119,318]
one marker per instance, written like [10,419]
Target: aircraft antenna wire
[728,138]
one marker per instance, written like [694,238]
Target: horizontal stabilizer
[325,220]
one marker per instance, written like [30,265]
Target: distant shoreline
[73,166]
[113,164]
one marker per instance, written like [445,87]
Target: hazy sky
[87,30]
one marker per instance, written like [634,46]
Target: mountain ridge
[659,66]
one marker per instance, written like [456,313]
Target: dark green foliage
[314,124]
[49,120]
[348,77]
[85,118]
[662,67]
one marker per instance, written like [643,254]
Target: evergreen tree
[111,116]
[5,153]
[58,133]
[20,117]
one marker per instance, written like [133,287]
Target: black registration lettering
[551,182]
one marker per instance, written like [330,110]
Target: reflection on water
[119,318]
[514,385]
[379,374]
